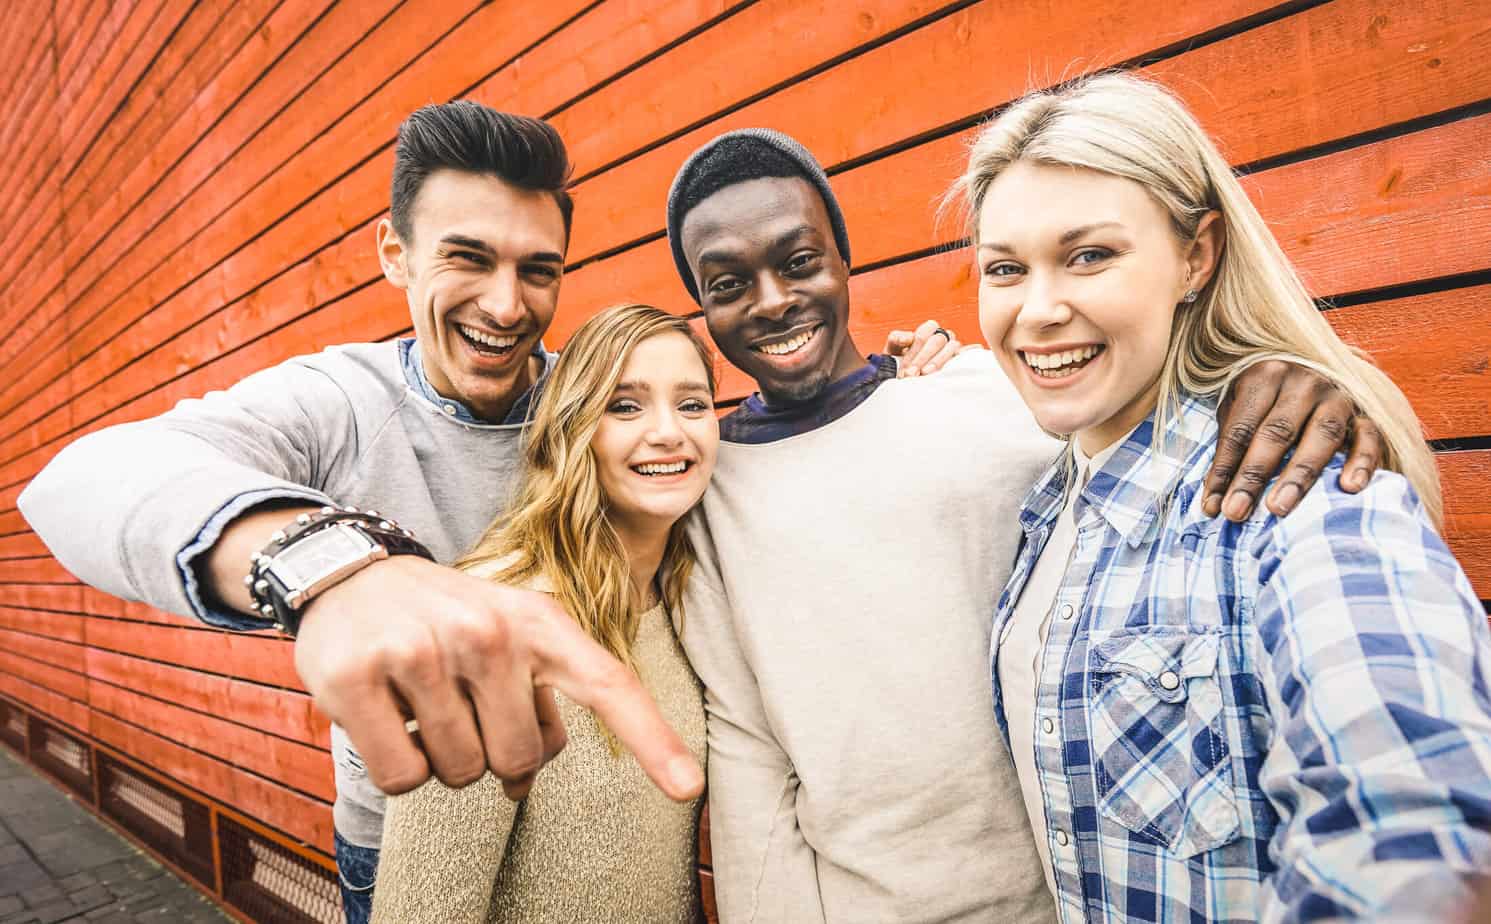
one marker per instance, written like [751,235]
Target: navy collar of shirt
[414,376]
[756,422]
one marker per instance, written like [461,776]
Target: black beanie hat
[707,164]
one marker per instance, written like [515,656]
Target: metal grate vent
[12,726]
[68,759]
[175,824]
[271,883]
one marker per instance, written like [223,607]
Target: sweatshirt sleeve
[132,508]
[764,869]
[442,849]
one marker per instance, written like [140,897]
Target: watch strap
[285,605]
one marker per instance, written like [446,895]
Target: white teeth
[485,339]
[1057,363]
[788,346]
[661,468]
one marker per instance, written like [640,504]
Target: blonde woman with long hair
[621,446]
[1279,719]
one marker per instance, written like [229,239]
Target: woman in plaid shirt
[1276,719]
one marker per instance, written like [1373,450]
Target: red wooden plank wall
[189,191]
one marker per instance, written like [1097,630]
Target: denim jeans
[357,868]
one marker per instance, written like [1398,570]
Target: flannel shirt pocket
[1160,750]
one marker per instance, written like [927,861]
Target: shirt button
[1061,839]
[1048,726]
[450,409]
[1169,680]
[1066,611]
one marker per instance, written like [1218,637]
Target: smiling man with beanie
[852,547]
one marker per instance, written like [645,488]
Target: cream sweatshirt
[840,620]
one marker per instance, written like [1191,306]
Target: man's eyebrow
[787,237]
[716,256]
[470,243]
[477,244]
[783,239]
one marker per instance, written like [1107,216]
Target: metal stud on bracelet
[280,596]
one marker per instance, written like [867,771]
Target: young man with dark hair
[852,548]
[425,429]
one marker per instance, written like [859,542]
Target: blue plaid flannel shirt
[1279,720]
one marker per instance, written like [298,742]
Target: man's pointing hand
[472,662]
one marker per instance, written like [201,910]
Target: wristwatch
[320,551]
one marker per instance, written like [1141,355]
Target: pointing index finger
[567,658]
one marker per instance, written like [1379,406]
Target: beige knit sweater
[594,839]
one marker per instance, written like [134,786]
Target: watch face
[319,555]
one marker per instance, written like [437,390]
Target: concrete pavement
[58,862]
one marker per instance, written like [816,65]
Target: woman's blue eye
[1091,255]
[1001,269]
[694,407]
[624,407]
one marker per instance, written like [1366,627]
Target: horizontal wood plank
[1437,349]
[44,570]
[66,655]
[60,681]
[252,657]
[285,713]
[22,545]
[55,706]
[296,765]
[57,598]
[66,627]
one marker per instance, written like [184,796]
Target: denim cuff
[190,558]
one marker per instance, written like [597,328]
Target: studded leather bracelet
[317,552]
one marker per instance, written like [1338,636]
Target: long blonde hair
[557,523]
[1255,306]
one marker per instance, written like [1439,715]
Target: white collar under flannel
[1283,719]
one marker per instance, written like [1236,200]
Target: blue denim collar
[414,376]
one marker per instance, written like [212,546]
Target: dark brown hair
[467,136]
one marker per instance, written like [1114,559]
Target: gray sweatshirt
[840,620]
[132,509]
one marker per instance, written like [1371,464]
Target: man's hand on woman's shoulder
[924,350]
[1274,407]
